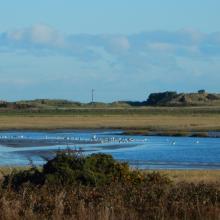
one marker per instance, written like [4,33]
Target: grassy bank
[128,121]
[193,176]
[171,133]
[94,110]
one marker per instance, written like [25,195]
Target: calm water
[21,148]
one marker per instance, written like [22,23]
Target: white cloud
[38,34]
[42,39]
[116,44]
[195,36]
[148,56]
[45,35]
[16,35]
[161,47]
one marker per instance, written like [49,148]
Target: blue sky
[124,49]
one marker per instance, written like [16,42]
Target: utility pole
[92,93]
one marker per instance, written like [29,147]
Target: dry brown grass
[194,176]
[148,122]
[152,200]
[9,169]
[122,194]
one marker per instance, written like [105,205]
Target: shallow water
[23,148]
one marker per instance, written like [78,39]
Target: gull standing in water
[174,143]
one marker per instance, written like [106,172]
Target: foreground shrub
[72,186]
[17,179]
[72,169]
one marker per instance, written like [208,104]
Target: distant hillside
[55,104]
[169,98]
[183,99]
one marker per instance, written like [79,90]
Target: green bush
[103,169]
[64,169]
[17,179]
[93,170]
[67,169]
